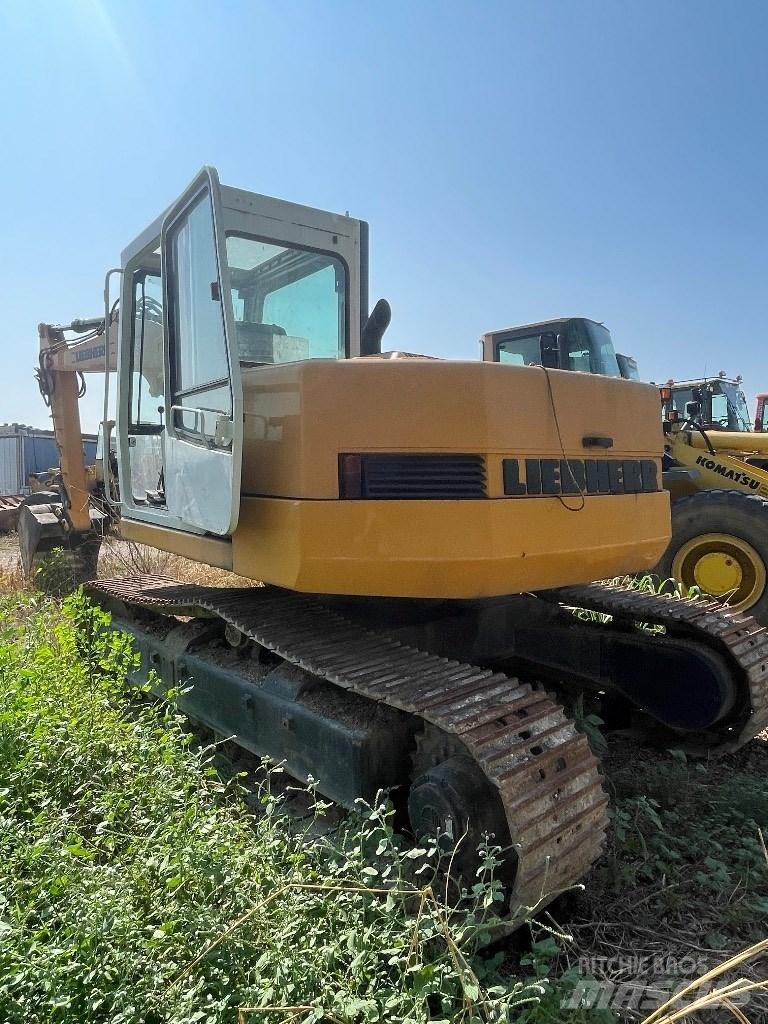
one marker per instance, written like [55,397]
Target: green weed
[136,887]
[698,839]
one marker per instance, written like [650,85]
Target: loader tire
[720,545]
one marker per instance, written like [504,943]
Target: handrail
[106,463]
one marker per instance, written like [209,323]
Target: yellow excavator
[423,530]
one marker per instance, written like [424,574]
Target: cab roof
[545,323]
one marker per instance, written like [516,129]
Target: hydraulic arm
[716,459]
[68,520]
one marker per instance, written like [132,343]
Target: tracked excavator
[421,529]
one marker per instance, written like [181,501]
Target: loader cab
[570,343]
[719,402]
[225,282]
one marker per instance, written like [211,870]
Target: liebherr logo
[90,353]
[728,474]
[540,478]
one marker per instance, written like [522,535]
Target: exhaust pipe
[373,331]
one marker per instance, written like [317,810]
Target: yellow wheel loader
[718,480]
[423,530]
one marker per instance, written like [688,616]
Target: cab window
[147,391]
[198,343]
[589,348]
[680,399]
[524,351]
[720,411]
[289,303]
[147,373]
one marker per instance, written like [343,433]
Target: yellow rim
[723,566]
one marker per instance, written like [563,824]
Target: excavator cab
[249,281]
[570,343]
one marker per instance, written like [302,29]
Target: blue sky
[515,161]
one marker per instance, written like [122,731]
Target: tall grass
[117,558]
[136,886]
[126,558]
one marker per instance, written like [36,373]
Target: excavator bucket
[55,558]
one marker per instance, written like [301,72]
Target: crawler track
[546,776]
[528,749]
[738,638]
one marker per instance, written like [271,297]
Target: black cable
[704,434]
[45,378]
[82,337]
[575,482]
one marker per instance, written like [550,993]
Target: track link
[528,749]
[737,637]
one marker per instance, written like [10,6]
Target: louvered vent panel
[423,476]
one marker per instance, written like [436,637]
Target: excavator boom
[67,521]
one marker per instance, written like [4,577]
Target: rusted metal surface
[737,637]
[529,750]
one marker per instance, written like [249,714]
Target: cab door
[203,394]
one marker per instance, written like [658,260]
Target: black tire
[733,513]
